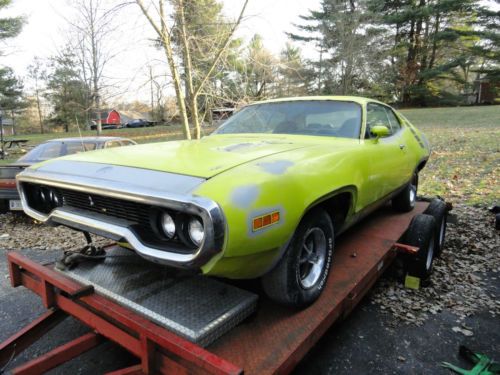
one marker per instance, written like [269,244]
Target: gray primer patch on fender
[244,196]
[276,167]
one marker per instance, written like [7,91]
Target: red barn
[111,117]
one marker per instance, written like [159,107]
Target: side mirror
[380,131]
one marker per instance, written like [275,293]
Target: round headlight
[196,231]
[167,225]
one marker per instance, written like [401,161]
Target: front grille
[142,218]
[131,211]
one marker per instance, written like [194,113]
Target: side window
[73,148]
[127,143]
[375,115]
[52,150]
[395,124]
[89,146]
[113,144]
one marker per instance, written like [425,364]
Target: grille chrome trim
[208,210]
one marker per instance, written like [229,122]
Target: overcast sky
[46,31]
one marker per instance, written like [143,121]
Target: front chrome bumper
[120,188]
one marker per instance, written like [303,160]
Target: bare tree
[192,88]
[37,74]
[94,26]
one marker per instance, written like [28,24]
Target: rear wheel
[406,199]
[300,276]
[437,209]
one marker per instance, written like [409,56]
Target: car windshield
[308,117]
[54,149]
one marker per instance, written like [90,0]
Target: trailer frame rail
[158,349]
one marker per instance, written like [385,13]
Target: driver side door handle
[402,146]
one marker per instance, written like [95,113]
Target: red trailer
[273,340]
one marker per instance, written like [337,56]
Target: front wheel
[406,199]
[300,276]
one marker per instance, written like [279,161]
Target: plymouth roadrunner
[264,196]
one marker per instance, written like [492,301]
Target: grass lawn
[465,142]
[464,165]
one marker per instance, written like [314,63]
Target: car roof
[88,139]
[357,99]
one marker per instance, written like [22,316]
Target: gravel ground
[18,232]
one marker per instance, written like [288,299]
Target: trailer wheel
[421,233]
[406,199]
[300,276]
[437,209]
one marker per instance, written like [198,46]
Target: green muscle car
[263,196]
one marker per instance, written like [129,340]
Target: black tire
[497,221]
[406,199]
[421,233]
[437,209]
[300,276]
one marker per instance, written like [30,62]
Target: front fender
[286,184]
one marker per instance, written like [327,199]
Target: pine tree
[345,36]
[67,92]
[12,101]
[293,74]
[428,47]
[10,27]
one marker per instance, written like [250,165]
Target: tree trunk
[38,107]
[188,71]
[434,41]
[13,122]
[152,93]
[95,68]
[195,116]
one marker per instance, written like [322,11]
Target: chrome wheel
[413,191]
[312,257]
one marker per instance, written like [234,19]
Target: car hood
[202,158]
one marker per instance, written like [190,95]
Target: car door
[386,156]
[401,137]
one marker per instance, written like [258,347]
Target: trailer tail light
[8,184]
[264,221]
